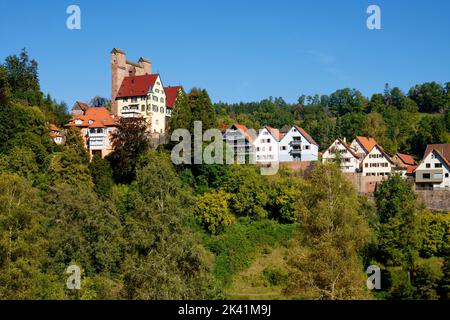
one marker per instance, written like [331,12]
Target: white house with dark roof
[350,161]
[434,171]
[297,145]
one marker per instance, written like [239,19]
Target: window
[307,147]
[366,165]
[426,176]
[157,122]
[283,148]
[157,90]
[142,98]
[161,110]
[270,148]
[257,148]
[437,176]
[133,99]
[438,165]
[155,98]
[268,140]
[161,100]
[125,99]
[155,108]
[446,175]
[143,107]
[428,165]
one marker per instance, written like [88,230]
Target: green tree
[286,198]
[346,101]
[435,233]
[249,193]
[164,259]
[426,278]
[351,125]
[444,285]
[430,130]
[101,173]
[5,90]
[429,96]
[23,78]
[212,209]
[71,164]
[130,141]
[22,241]
[84,230]
[22,161]
[398,232]
[333,232]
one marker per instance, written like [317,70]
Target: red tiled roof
[135,86]
[411,169]
[98,117]
[275,133]
[171,95]
[306,135]
[244,130]
[406,159]
[366,143]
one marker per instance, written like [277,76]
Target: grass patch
[241,243]
[264,279]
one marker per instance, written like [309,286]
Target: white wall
[431,159]
[359,150]
[157,116]
[376,164]
[348,161]
[266,147]
[309,152]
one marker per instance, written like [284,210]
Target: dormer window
[91,121]
[78,121]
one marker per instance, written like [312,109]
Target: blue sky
[239,50]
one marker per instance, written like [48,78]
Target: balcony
[296,143]
[429,176]
[132,111]
[296,151]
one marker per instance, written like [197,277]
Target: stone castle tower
[121,68]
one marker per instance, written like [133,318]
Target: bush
[275,275]
[212,208]
[435,232]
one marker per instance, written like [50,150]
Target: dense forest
[141,228]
